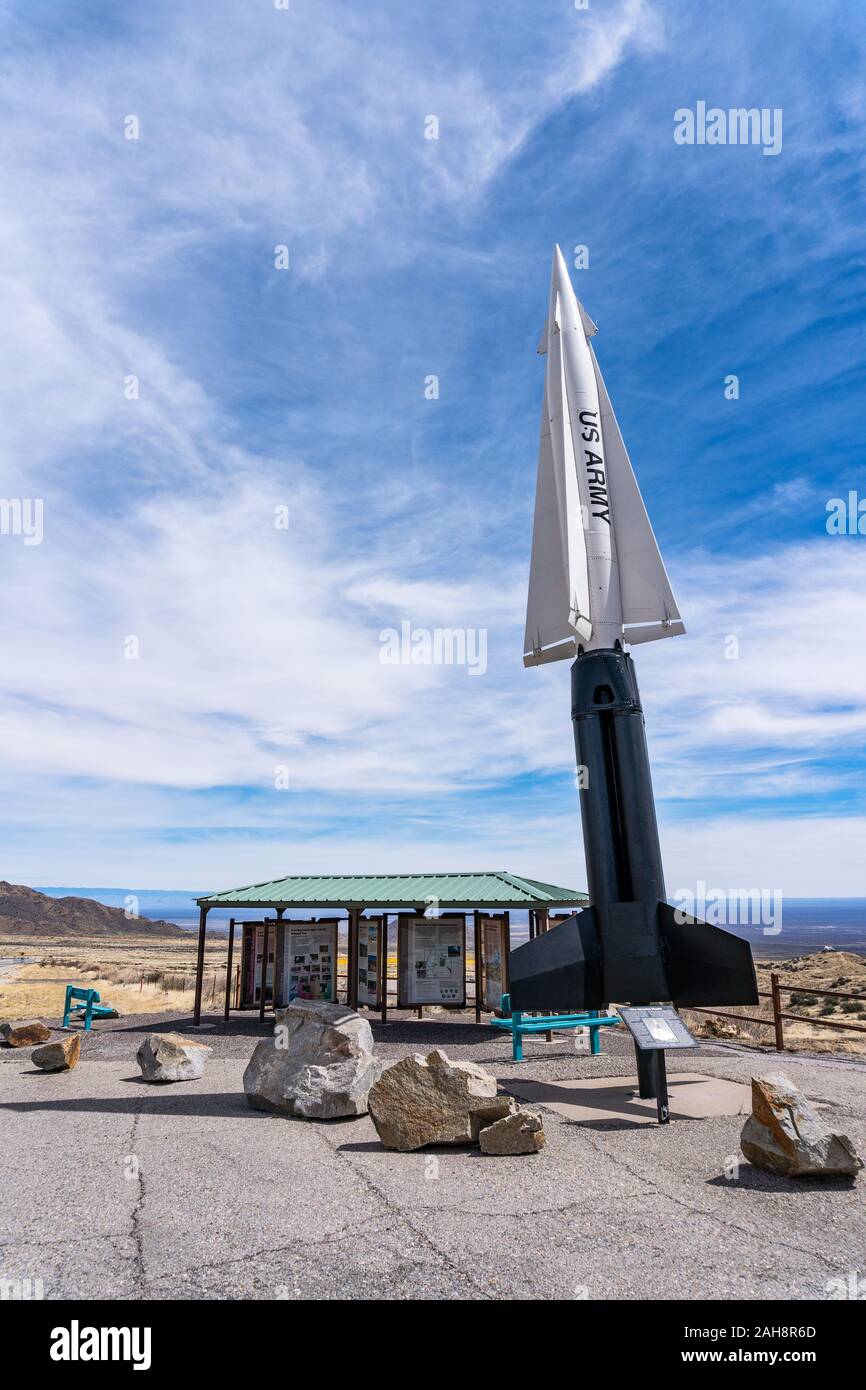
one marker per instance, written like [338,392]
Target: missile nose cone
[560,277]
[565,307]
[563,303]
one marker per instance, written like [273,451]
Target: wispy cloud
[260,646]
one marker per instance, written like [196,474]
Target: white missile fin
[571,511]
[549,636]
[647,597]
[589,328]
[651,632]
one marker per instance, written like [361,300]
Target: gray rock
[60,1055]
[519,1133]
[25,1033]
[319,1064]
[784,1135]
[172,1057]
[432,1100]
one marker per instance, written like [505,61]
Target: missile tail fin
[574,966]
[706,965]
[560,969]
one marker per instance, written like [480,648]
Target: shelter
[431,929]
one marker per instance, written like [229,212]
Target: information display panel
[431,960]
[309,960]
[370,962]
[656,1026]
[252,950]
[494,961]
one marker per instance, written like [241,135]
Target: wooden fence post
[777,1012]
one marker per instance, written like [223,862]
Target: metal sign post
[654,1028]
[662,1105]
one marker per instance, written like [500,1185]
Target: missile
[597,584]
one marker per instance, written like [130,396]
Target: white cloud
[260,646]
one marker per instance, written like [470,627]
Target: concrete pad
[607,1100]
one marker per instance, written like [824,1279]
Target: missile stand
[629,946]
[620,834]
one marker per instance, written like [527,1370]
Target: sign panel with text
[431,961]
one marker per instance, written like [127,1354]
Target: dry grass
[135,976]
[833,970]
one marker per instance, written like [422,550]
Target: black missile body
[630,946]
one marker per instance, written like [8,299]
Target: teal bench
[522,1025]
[88,1006]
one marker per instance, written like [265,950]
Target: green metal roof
[497,889]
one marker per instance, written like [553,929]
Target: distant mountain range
[24,912]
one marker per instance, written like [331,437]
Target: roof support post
[229,968]
[479,986]
[352,961]
[279,962]
[264,990]
[383,966]
[199,965]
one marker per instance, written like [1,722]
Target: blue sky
[304,388]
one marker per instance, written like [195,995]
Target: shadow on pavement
[228,1103]
[754,1179]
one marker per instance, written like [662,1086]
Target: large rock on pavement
[26,1033]
[172,1057]
[522,1132]
[432,1100]
[60,1055]
[319,1064]
[784,1135]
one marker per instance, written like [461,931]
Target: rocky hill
[24,912]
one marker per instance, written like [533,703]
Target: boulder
[432,1100]
[60,1055]
[319,1064]
[521,1132]
[784,1135]
[172,1057]
[26,1033]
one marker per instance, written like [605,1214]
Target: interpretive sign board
[431,960]
[309,960]
[656,1026]
[251,964]
[370,961]
[494,960]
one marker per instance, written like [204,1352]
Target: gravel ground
[116,1189]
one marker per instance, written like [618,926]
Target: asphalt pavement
[118,1189]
